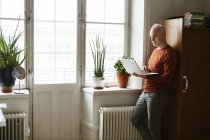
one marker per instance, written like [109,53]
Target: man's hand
[144,69]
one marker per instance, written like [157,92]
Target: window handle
[186,84]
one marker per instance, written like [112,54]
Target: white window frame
[28,39]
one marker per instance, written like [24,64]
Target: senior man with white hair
[156,88]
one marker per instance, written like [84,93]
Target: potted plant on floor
[121,73]
[10,61]
[98,50]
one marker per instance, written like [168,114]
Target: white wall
[207,7]
[196,5]
[162,9]
[137,22]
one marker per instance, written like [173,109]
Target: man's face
[156,37]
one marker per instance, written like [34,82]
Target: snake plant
[98,50]
[10,54]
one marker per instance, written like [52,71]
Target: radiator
[115,124]
[16,127]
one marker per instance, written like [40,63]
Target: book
[201,17]
[194,19]
[132,67]
[194,13]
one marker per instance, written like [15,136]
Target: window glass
[55,42]
[106,11]
[10,12]
[12,8]
[106,21]
[44,9]
[66,10]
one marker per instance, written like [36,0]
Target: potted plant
[98,50]
[121,73]
[10,58]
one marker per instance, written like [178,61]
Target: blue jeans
[149,106]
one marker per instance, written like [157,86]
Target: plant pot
[122,80]
[98,82]
[7,80]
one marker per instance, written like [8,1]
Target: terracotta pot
[122,80]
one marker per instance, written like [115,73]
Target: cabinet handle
[186,84]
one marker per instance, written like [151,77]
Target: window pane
[55,51]
[66,37]
[44,9]
[65,68]
[44,68]
[55,42]
[107,11]
[115,11]
[12,8]
[43,37]
[66,10]
[8,29]
[113,36]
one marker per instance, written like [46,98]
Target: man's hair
[158,27]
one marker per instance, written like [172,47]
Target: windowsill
[15,102]
[110,90]
[15,95]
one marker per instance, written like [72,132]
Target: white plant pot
[98,82]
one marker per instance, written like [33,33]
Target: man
[156,88]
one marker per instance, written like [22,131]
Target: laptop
[132,67]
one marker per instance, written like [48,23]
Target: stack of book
[207,21]
[194,19]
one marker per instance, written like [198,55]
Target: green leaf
[98,51]
[119,67]
[10,54]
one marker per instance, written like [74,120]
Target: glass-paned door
[56,88]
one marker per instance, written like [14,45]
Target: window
[55,35]
[107,20]
[10,12]
[55,41]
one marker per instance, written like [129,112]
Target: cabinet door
[170,121]
[195,105]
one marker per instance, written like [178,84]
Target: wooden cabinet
[187,116]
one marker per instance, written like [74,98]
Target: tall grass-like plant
[10,54]
[98,50]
